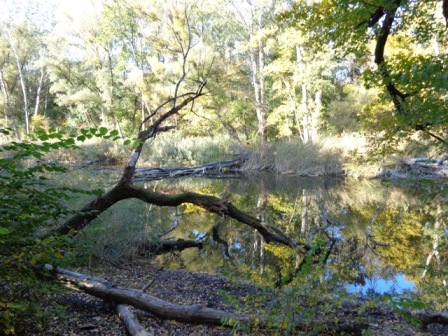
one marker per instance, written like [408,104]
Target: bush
[31,206]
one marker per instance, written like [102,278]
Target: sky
[45,12]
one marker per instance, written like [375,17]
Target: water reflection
[388,238]
[374,286]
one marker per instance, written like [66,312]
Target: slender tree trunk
[303,125]
[316,115]
[305,119]
[22,82]
[39,89]
[256,86]
[10,113]
[262,120]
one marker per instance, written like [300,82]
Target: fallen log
[130,321]
[217,169]
[427,166]
[170,245]
[123,298]
[105,290]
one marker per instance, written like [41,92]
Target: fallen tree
[125,298]
[217,169]
[103,289]
[125,188]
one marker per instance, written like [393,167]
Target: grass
[174,149]
[332,156]
[344,155]
[165,150]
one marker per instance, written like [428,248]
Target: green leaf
[103,130]
[3,231]
[114,133]
[81,138]
[127,142]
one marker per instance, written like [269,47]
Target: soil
[87,316]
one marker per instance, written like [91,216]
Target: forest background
[278,71]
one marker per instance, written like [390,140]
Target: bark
[125,296]
[213,204]
[38,91]
[22,80]
[130,321]
[316,115]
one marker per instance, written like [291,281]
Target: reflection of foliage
[402,232]
[379,229]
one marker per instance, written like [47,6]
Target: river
[388,239]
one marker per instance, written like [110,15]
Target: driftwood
[226,169]
[103,289]
[123,298]
[130,321]
[428,166]
[169,245]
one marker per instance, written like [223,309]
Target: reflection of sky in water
[382,286]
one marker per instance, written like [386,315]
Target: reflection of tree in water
[379,231]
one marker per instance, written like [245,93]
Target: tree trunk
[302,125]
[125,296]
[314,126]
[305,117]
[10,113]
[38,91]
[134,328]
[22,81]
[256,86]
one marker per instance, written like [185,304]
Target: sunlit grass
[175,149]
[344,155]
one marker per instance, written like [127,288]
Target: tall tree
[300,74]
[409,69]
[253,24]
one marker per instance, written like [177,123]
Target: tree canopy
[407,42]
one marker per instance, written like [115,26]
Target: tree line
[277,68]
[270,77]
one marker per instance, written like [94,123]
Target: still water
[367,237]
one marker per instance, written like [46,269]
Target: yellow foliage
[280,252]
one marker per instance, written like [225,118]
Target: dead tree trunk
[123,298]
[103,289]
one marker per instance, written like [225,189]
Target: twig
[152,281]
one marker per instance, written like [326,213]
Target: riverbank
[86,315]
